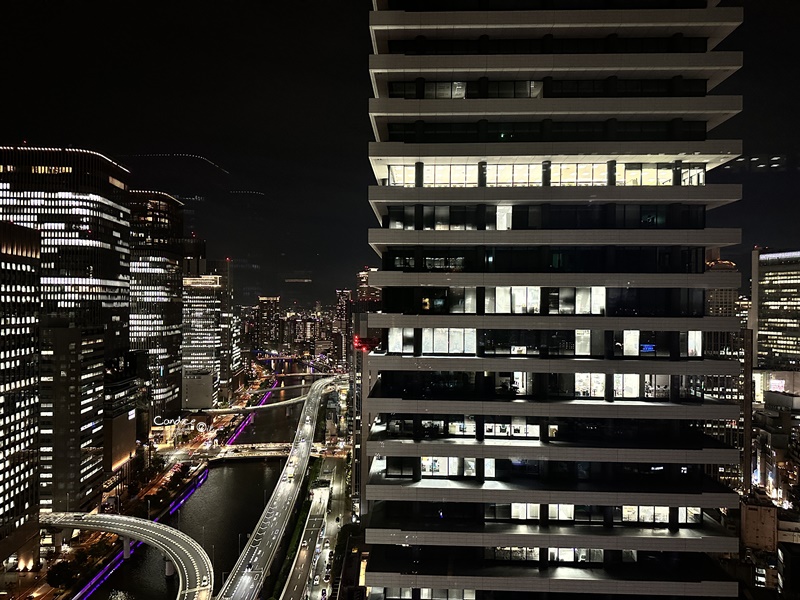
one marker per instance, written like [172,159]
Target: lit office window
[503,218]
[630,342]
[695,343]
[583,342]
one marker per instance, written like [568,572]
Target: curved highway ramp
[195,573]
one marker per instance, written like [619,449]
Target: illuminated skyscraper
[720,343]
[202,336]
[77,199]
[231,367]
[269,324]
[776,309]
[19,393]
[156,295]
[342,327]
[530,418]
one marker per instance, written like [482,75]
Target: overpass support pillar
[58,539]
[169,568]
[126,547]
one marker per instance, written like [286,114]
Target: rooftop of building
[66,150]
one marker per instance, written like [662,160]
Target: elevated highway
[285,375]
[195,572]
[243,410]
[255,562]
[276,389]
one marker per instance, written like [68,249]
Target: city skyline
[219,93]
[498,299]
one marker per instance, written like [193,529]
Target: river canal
[219,515]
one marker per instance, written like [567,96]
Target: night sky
[278,98]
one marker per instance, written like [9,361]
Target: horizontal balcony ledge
[534,364]
[710,538]
[714,110]
[379,239]
[556,579]
[711,152]
[394,566]
[535,66]
[507,107]
[535,450]
[547,322]
[656,544]
[699,22]
[707,280]
[712,196]
[380,487]
[713,66]
[580,407]
[379,437]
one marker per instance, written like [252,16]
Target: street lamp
[148,509]
[240,543]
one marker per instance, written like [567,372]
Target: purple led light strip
[99,579]
[249,419]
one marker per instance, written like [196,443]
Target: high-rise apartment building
[19,393]
[775,310]
[202,337]
[342,325]
[343,305]
[367,298]
[269,324]
[532,418]
[156,296]
[237,361]
[77,199]
[725,344]
[231,367]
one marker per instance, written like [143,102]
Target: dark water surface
[228,504]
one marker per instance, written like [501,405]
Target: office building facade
[156,296]
[726,345]
[533,415]
[231,375]
[77,199]
[202,336]
[19,394]
[775,309]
